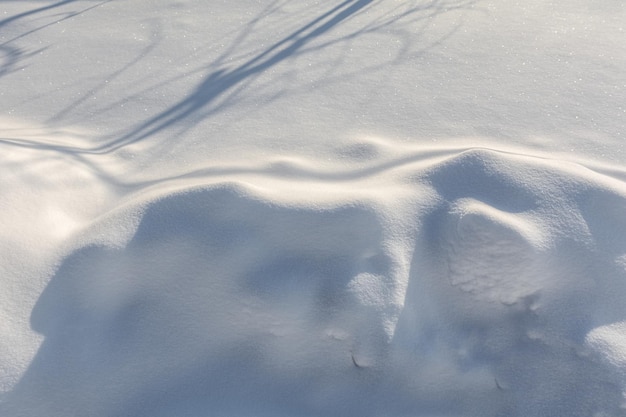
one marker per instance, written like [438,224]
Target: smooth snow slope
[283,208]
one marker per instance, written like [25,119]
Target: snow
[295,208]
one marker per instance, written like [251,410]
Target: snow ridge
[471,282]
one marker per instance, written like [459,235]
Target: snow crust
[282,208]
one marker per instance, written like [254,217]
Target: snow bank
[479,282]
[285,208]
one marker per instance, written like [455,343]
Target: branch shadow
[31,12]
[11,56]
[222,81]
[222,86]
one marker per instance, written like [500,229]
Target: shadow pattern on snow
[222,86]
[12,55]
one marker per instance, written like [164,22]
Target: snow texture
[283,208]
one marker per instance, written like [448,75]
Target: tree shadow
[222,86]
[219,82]
[12,56]
[31,12]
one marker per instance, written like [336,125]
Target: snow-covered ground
[374,208]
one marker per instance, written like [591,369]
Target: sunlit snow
[312,208]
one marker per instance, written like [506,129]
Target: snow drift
[473,282]
[374,208]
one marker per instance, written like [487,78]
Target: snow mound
[451,282]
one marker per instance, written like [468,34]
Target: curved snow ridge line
[298,168]
[535,198]
[289,172]
[372,158]
[497,218]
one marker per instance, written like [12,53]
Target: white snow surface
[374,208]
